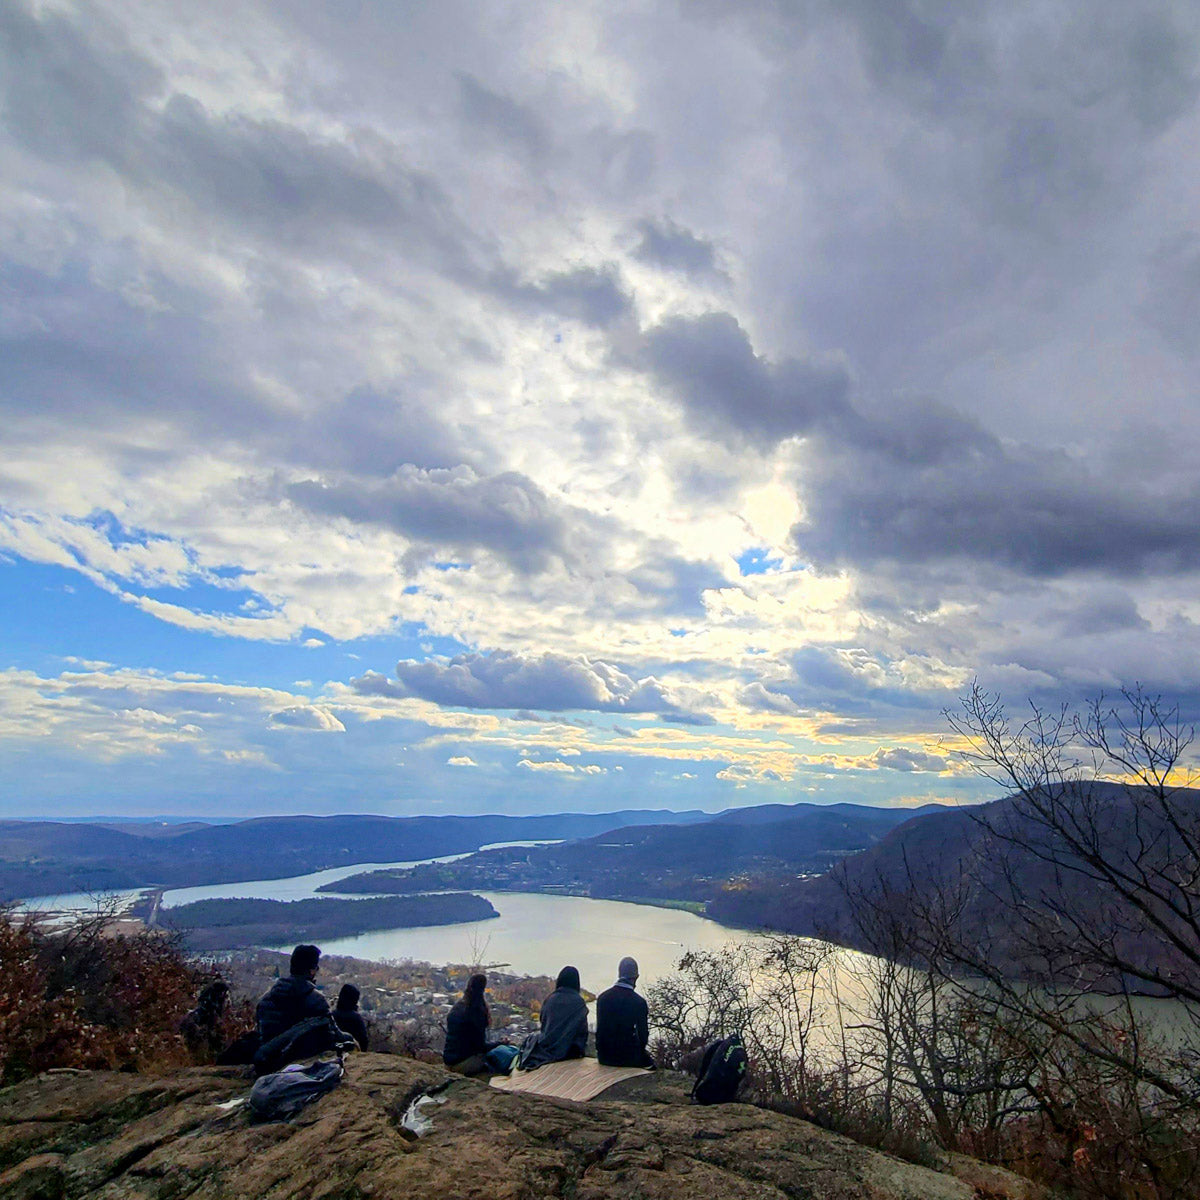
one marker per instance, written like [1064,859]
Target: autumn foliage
[85,996]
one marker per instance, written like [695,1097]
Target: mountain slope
[985,878]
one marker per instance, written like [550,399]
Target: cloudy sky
[461,407]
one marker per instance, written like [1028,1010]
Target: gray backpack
[280,1096]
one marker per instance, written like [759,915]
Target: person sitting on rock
[349,1019]
[293,999]
[564,1028]
[623,1021]
[201,1028]
[467,1042]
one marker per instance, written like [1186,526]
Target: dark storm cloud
[709,365]
[68,95]
[1038,511]
[541,682]
[1099,610]
[912,480]
[665,244]
[73,93]
[506,514]
[368,432]
[88,354]
[963,172]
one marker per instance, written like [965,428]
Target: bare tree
[1091,872]
[765,990]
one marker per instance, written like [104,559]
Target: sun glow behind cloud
[596,407]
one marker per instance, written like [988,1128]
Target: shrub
[86,996]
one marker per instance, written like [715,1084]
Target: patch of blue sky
[198,596]
[117,533]
[758,560]
[53,614]
[433,645]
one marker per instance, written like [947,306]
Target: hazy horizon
[185,819]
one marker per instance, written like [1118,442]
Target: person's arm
[643,1024]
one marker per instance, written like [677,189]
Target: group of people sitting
[295,998]
[622,1027]
[292,1000]
[622,1021]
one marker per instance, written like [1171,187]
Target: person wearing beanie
[293,999]
[347,1017]
[564,1028]
[623,1021]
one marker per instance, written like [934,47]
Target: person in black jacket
[466,1030]
[202,1027]
[623,1021]
[564,1028]
[349,1019]
[293,999]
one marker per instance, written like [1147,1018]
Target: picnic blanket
[574,1079]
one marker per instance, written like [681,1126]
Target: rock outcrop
[109,1136]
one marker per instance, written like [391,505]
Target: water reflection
[537,934]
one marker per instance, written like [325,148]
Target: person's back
[623,1022]
[292,999]
[563,1031]
[349,1020]
[202,1027]
[466,1029]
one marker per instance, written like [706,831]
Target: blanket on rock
[574,1079]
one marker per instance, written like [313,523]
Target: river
[534,935]
[538,934]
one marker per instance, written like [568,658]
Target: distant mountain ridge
[39,858]
[691,862]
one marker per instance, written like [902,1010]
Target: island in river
[230,924]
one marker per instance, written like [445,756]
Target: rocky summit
[110,1136]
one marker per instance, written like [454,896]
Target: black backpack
[722,1070]
[304,1040]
